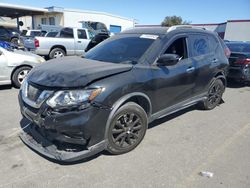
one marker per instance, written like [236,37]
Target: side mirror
[168,60]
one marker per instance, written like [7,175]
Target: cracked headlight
[72,98]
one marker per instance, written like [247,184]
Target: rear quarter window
[214,43]
[199,45]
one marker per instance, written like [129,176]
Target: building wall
[27,22]
[59,19]
[238,31]
[72,19]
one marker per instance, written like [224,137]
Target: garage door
[115,28]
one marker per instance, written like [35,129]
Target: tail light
[36,43]
[243,61]
[227,52]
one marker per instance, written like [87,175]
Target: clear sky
[154,11]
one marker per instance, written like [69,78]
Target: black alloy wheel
[127,129]
[214,96]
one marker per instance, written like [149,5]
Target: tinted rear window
[239,47]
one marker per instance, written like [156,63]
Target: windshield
[239,47]
[120,50]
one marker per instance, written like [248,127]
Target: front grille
[33,93]
[33,96]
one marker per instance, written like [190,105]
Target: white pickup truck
[69,41]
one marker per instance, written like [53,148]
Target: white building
[63,17]
[73,18]
[232,30]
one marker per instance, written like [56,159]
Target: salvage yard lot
[175,149]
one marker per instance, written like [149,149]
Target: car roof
[147,30]
[164,30]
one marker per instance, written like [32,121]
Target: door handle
[79,41]
[214,60]
[190,69]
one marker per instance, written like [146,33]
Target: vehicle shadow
[5,87]
[234,84]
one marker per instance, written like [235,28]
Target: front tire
[127,129]
[214,95]
[19,75]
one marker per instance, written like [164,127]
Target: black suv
[9,34]
[78,107]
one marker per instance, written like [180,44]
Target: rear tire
[57,53]
[127,129]
[14,41]
[214,95]
[19,75]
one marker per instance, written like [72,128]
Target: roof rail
[183,27]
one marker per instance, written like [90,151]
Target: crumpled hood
[73,72]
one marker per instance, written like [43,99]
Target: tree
[174,20]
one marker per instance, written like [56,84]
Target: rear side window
[199,45]
[67,33]
[81,34]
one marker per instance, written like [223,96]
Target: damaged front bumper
[65,136]
[33,139]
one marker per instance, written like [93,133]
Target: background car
[239,68]
[9,34]
[15,65]
[68,42]
[27,36]
[33,33]
[98,38]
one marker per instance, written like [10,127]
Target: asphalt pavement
[173,153]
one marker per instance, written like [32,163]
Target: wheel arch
[58,46]
[13,37]
[220,75]
[17,67]
[139,98]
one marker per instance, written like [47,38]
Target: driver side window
[179,47]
